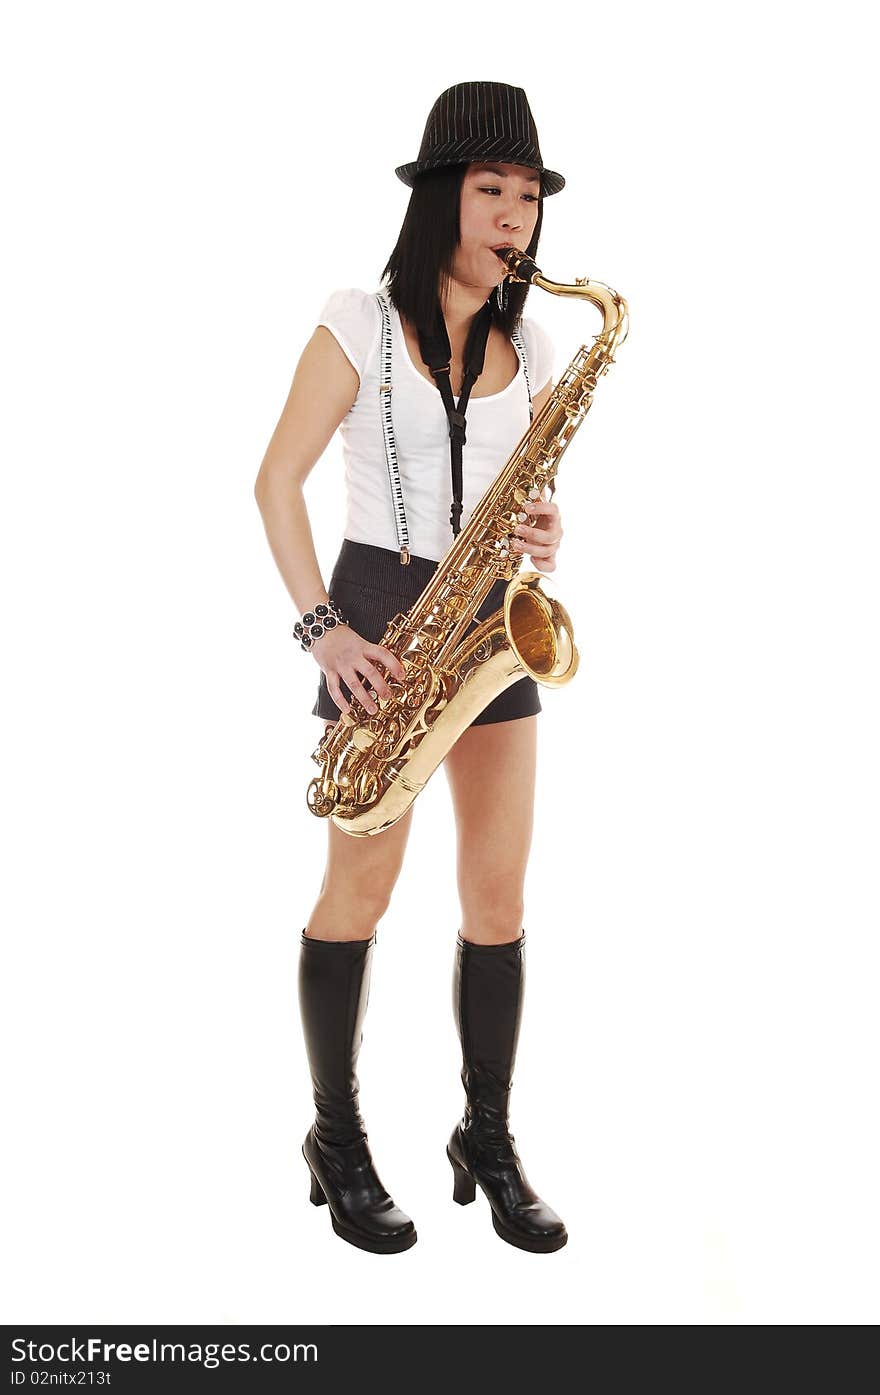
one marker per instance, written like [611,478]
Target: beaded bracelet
[315,622]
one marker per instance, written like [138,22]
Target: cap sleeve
[353,316]
[541,353]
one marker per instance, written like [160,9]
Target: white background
[695,1091]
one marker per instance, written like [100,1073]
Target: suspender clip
[404,556]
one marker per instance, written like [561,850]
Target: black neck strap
[437,354]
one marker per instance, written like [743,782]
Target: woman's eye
[532,198]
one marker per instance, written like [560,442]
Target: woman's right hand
[344,655]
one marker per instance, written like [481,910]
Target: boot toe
[391,1223]
[540,1221]
[535,1227]
[384,1231]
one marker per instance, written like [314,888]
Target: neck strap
[437,355]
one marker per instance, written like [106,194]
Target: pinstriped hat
[481,121]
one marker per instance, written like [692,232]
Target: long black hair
[422,259]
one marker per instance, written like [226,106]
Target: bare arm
[323,389]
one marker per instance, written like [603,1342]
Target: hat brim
[551,182]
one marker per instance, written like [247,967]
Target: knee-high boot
[334,987]
[488,983]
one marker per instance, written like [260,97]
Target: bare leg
[491,774]
[359,878]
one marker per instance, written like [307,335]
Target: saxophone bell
[539,631]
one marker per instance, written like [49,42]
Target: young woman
[479,183]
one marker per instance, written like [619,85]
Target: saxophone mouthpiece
[521,267]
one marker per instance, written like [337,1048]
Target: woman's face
[499,205]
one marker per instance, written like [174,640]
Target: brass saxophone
[373,766]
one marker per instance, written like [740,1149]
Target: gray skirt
[370,586]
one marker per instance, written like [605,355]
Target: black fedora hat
[481,121]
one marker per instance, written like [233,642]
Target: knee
[372,902]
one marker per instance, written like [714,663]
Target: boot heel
[464,1188]
[316,1195]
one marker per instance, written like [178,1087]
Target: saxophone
[374,766]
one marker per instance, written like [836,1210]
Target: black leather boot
[488,982]
[334,987]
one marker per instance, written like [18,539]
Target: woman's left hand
[540,536]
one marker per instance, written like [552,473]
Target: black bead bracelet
[315,622]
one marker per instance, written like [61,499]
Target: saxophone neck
[613,307]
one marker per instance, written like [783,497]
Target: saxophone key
[362,738]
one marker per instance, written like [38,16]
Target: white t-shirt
[421,431]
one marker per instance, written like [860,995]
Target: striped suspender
[388,425]
[520,346]
[388,432]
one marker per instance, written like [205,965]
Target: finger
[370,672]
[389,660]
[359,692]
[541,507]
[537,535]
[537,549]
[335,692]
